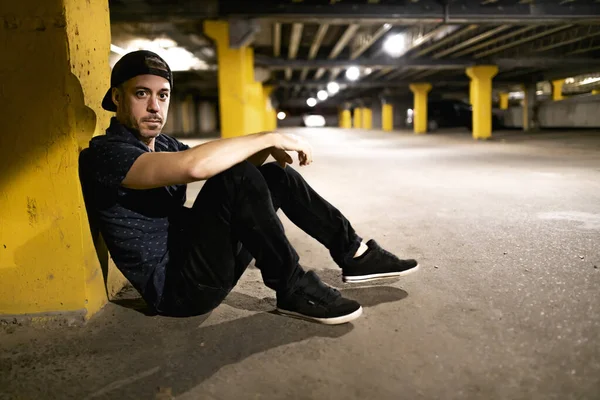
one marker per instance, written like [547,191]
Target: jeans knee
[273,172]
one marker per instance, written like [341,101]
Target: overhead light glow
[539,92]
[311,102]
[395,45]
[117,49]
[589,80]
[333,87]
[281,115]
[178,58]
[352,73]
[570,80]
[368,70]
[322,95]
[314,121]
[387,26]
[516,95]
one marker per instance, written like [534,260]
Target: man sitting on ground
[184,261]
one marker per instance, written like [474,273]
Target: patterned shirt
[140,227]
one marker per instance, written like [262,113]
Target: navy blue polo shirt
[140,227]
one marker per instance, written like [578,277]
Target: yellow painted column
[345,119]
[57,50]
[357,118]
[420,91]
[367,118]
[270,118]
[235,72]
[596,91]
[557,86]
[471,92]
[503,101]
[481,80]
[387,117]
[255,96]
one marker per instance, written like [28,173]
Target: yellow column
[420,91]
[387,117]
[47,258]
[270,118]
[255,96]
[235,72]
[481,80]
[557,86]
[357,118]
[596,91]
[471,92]
[345,119]
[504,101]
[367,118]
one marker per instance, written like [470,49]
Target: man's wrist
[270,139]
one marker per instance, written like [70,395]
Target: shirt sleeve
[180,146]
[111,162]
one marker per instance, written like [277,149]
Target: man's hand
[290,142]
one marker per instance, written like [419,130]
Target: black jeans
[234,220]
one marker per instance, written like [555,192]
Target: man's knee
[273,172]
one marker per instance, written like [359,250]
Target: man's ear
[116,96]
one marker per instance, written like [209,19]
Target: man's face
[142,104]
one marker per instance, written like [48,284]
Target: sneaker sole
[375,277]
[327,321]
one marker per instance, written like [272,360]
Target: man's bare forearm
[157,169]
[211,158]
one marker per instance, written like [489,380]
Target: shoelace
[320,292]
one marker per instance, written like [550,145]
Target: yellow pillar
[471,94]
[270,118]
[481,80]
[345,119]
[420,91]
[58,51]
[235,75]
[387,117]
[504,101]
[255,96]
[596,91]
[357,118]
[557,86]
[367,118]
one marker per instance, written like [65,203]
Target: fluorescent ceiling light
[395,45]
[333,87]
[311,102]
[178,58]
[322,95]
[352,73]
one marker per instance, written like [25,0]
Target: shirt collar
[120,132]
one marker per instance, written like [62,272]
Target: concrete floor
[506,305]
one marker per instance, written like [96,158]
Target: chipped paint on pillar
[56,54]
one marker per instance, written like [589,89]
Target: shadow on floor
[123,353]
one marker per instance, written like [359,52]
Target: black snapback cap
[141,62]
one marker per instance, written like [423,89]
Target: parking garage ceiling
[303,45]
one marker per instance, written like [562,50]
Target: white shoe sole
[327,321]
[375,277]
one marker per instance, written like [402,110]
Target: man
[185,261]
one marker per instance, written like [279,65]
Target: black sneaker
[315,301]
[376,263]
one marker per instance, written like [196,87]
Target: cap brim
[107,102]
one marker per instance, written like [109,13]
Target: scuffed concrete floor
[506,305]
